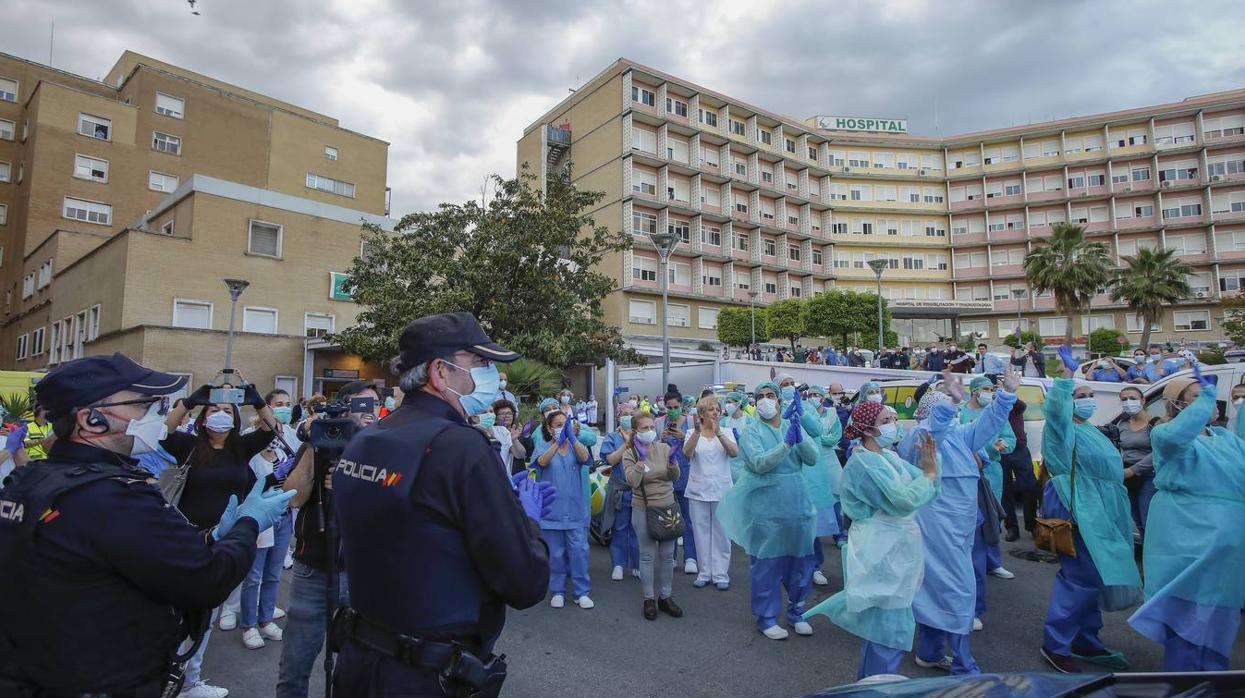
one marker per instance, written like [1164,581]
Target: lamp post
[236,287]
[665,244]
[752,310]
[877,265]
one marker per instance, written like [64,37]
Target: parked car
[1041,685]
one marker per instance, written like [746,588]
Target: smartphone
[361,405]
[233,396]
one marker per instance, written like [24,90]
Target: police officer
[98,575]
[435,541]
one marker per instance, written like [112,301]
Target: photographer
[435,540]
[310,577]
[100,577]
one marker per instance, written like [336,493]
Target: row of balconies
[988,201]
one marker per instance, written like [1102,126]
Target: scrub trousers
[878,659]
[689,538]
[568,550]
[1073,618]
[1019,485]
[624,547]
[1181,655]
[932,645]
[770,576]
[986,557]
[715,564]
[1140,492]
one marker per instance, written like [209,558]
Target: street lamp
[877,265]
[752,309]
[665,244]
[236,287]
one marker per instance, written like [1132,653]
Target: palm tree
[1148,282]
[1071,268]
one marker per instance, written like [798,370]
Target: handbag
[663,523]
[1058,536]
[173,480]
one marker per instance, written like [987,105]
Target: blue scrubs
[944,607]
[1194,550]
[565,529]
[1103,575]
[986,555]
[624,546]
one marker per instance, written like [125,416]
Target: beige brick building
[769,207]
[125,203]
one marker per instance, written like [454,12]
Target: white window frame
[8,130]
[179,113]
[194,301]
[671,318]
[636,319]
[1202,313]
[83,117]
[1053,318]
[80,161]
[4,220]
[23,343]
[320,182]
[157,173]
[7,96]
[6,171]
[700,317]
[166,228]
[276,318]
[92,314]
[250,238]
[307,328]
[37,343]
[65,210]
[166,143]
[1132,325]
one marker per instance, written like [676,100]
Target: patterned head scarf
[864,416]
[930,400]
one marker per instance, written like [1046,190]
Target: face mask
[485,392]
[1084,407]
[219,422]
[390,403]
[1130,406]
[788,393]
[887,434]
[501,384]
[488,419]
[1238,401]
[148,431]
[1139,358]
[1154,358]
[828,402]
[634,403]
[691,411]
[647,437]
[674,412]
[624,422]
[565,399]
[874,397]
[283,414]
[984,399]
[767,407]
[730,408]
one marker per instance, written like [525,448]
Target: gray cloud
[452,84]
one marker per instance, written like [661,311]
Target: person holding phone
[673,429]
[651,471]
[616,516]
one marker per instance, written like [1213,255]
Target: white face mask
[1130,407]
[767,407]
[730,408]
[502,384]
[148,431]
[1238,401]
[874,397]
[634,403]
[219,422]
[646,437]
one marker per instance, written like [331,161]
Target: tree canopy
[523,262]
[841,314]
[1150,281]
[785,320]
[735,326]
[1070,267]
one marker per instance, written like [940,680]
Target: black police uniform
[435,541]
[95,565]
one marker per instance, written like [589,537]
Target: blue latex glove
[548,495]
[527,429]
[796,408]
[567,434]
[282,469]
[530,499]
[795,434]
[1205,380]
[1065,355]
[265,508]
[518,478]
[16,437]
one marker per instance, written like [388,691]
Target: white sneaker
[635,573]
[820,579]
[617,574]
[774,632]
[252,639]
[977,624]
[271,631]
[1002,573]
[558,601]
[802,628]
[228,621]
[278,613]
[584,602]
[203,690]
[943,664]
[690,567]
[289,560]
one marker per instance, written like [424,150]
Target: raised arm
[1059,434]
[1170,441]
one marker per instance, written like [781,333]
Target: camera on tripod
[334,430]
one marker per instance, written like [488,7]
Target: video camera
[335,429]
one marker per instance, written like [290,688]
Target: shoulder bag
[1058,535]
[663,523]
[173,480]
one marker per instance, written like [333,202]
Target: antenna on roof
[937,129]
[574,89]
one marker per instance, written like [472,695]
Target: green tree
[785,320]
[1149,281]
[1234,319]
[531,380]
[1107,340]
[1070,267]
[844,315]
[735,326]
[523,262]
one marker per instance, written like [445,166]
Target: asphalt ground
[714,650]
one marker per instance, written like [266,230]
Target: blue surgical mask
[488,419]
[1130,406]
[390,403]
[565,399]
[219,422]
[1084,407]
[888,434]
[788,393]
[624,422]
[283,414]
[984,399]
[485,393]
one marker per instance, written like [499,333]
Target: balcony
[1220,141]
[1016,234]
[1097,227]
[712,291]
[1012,304]
[1055,195]
[958,239]
[1228,216]
[1044,303]
[710,208]
[741,255]
[1004,200]
[1125,224]
[1006,269]
[1229,177]
[971,274]
[1137,186]
[967,204]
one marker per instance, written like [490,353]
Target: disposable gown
[993,469]
[824,498]
[768,512]
[884,562]
[947,596]
[1101,509]
[1194,548]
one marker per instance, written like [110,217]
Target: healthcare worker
[616,513]
[768,512]
[884,563]
[563,461]
[944,606]
[870,391]
[734,414]
[673,429]
[1238,404]
[823,480]
[1194,551]
[1102,575]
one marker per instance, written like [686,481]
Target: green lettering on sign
[338,287]
[851,123]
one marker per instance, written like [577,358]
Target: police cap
[82,382]
[437,336]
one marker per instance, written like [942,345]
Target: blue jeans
[304,627]
[689,540]
[259,590]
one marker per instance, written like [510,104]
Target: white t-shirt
[504,441]
[710,475]
[263,468]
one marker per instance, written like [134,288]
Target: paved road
[714,650]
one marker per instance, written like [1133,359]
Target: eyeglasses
[163,401]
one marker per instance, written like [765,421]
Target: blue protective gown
[1194,549]
[947,596]
[990,457]
[828,521]
[883,564]
[565,529]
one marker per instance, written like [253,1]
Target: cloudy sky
[451,85]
